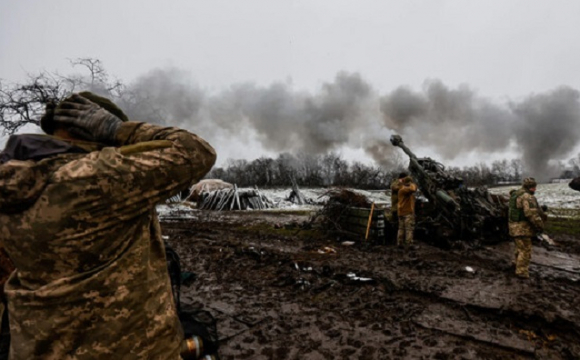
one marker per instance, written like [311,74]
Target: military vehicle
[452,211]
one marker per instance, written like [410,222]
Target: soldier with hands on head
[78,219]
[406,210]
[526,220]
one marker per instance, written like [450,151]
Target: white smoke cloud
[348,112]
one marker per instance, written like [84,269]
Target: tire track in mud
[278,298]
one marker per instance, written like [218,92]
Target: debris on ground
[276,297]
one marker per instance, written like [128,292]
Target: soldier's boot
[523,276]
[522,271]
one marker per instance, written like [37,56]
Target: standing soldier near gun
[78,219]
[406,211]
[395,186]
[526,220]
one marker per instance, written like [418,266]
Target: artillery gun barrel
[426,183]
[397,140]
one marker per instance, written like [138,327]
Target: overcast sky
[504,49]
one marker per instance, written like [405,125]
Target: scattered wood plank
[234,199]
[295,195]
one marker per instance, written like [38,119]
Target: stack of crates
[355,220]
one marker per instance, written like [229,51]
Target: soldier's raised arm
[146,163]
[408,188]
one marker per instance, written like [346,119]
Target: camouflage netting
[339,201]
[347,198]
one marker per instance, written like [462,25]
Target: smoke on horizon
[542,128]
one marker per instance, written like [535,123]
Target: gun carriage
[452,211]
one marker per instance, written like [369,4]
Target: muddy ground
[282,290]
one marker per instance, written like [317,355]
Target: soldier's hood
[23,173]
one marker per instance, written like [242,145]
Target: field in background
[555,196]
[560,199]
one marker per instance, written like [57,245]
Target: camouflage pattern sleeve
[532,211]
[134,182]
[197,151]
[91,277]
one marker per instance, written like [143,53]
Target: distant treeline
[573,168]
[331,170]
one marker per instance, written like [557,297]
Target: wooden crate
[355,221]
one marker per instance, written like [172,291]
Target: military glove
[86,120]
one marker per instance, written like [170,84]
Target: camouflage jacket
[91,279]
[406,204]
[533,214]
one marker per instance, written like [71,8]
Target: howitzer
[454,211]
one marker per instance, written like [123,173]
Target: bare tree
[24,103]
[501,170]
[517,169]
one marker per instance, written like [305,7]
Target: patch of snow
[318,197]
[555,196]
[177,210]
[558,196]
[353,276]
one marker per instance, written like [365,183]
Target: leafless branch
[24,103]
